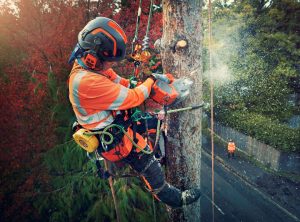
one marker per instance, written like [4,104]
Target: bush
[266,130]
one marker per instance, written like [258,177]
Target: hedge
[264,129]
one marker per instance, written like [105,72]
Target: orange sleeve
[136,96]
[124,82]
[98,92]
[113,76]
[120,80]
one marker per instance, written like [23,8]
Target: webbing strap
[158,190]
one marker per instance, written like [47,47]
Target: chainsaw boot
[190,196]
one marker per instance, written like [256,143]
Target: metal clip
[104,146]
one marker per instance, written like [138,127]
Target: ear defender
[90,58]
[90,61]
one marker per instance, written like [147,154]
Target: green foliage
[265,129]
[76,194]
[52,86]
[61,111]
[62,158]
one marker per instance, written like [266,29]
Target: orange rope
[211,112]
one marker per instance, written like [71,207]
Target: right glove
[161,77]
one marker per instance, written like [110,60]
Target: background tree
[181,56]
[255,54]
[47,177]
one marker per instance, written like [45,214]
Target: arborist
[101,99]
[230,148]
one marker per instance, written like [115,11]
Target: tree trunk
[182,21]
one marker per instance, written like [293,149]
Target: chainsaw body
[170,93]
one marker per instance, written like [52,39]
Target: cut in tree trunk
[181,56]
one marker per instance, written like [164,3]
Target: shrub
[265,129]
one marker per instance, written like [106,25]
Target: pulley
[140,55]
[140,52]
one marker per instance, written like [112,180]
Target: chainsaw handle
[197,106]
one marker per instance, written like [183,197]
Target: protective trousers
[151,172]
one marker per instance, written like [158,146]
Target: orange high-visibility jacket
[94,96]
[231,147]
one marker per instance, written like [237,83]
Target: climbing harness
[87,139]
[108,142]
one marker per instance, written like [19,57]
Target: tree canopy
[256,64]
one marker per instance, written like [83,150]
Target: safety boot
[190,196]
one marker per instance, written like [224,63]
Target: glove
[170,77]
[152,77]
[161,77]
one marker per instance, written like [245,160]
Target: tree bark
[181,56]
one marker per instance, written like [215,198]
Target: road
[238,200]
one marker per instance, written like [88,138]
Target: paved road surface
[236,199]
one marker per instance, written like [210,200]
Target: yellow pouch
[86,142]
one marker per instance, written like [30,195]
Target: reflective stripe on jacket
[231,147]
[94,96]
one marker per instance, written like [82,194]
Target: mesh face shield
[77,52]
